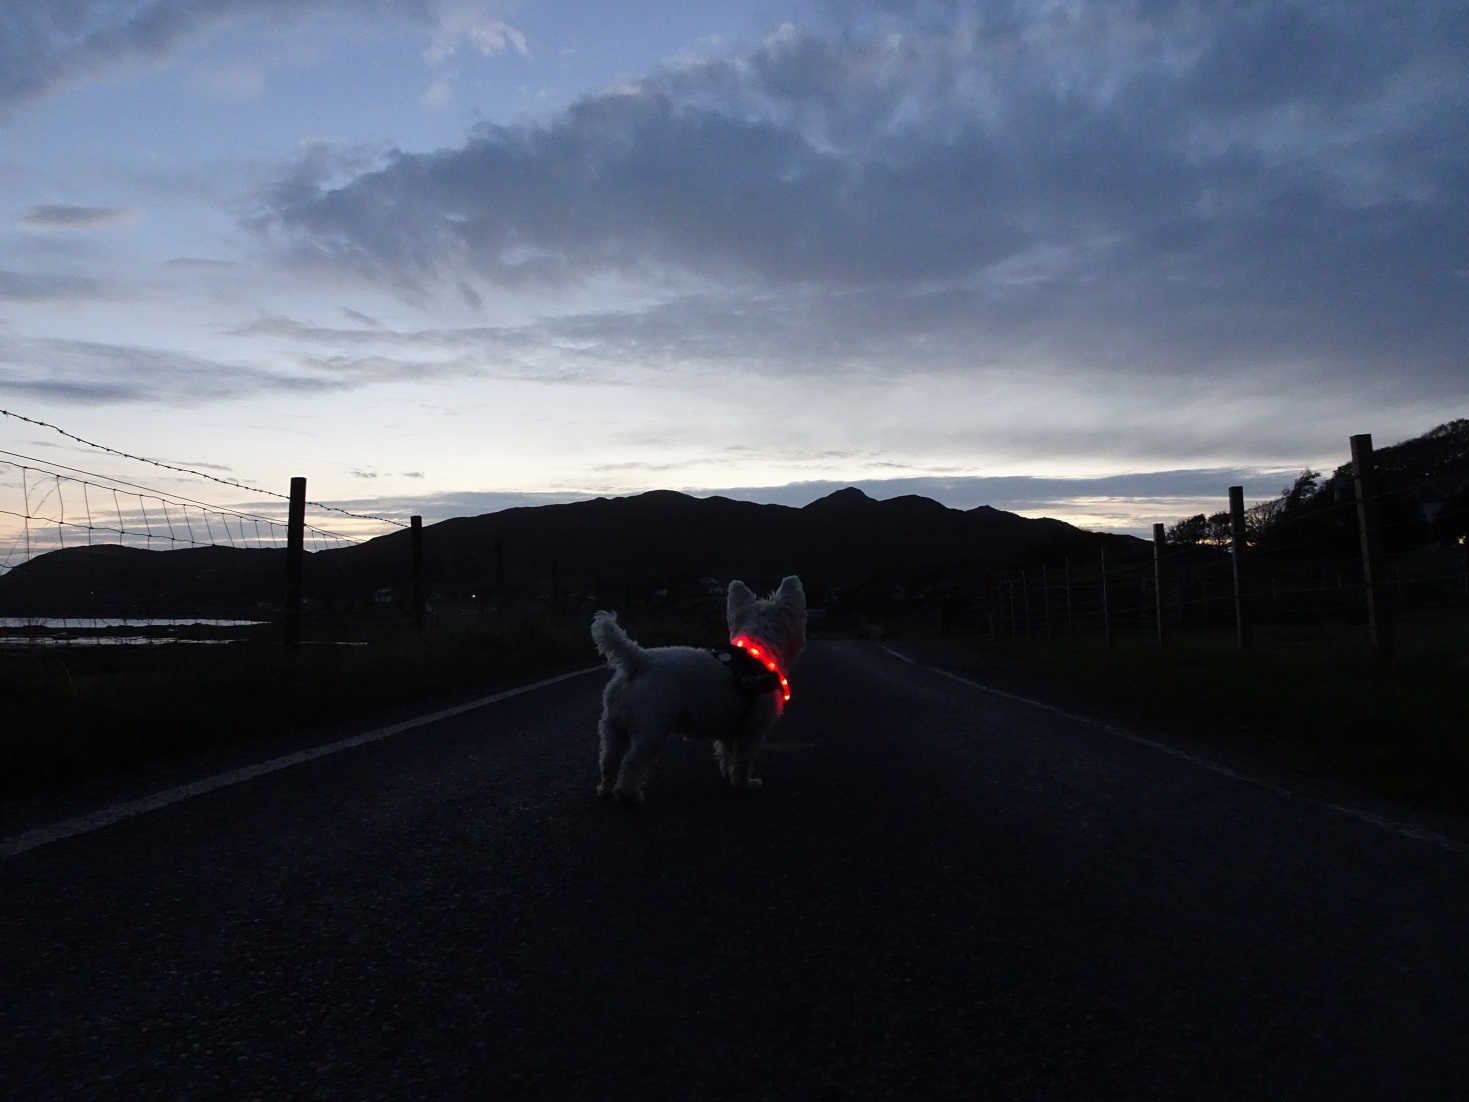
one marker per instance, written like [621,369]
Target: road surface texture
[940,893]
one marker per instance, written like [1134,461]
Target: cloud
[1268,191]
[66,217]
[233,83]
[1032,495]
[48,44]
[200,263]
[1129,502]
[372,351]
[471,297]
[467,26]
[438,94]
[95,373]
[41,287]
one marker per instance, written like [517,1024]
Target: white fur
[659,691]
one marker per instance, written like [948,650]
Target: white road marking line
[104,817]
[1407,830]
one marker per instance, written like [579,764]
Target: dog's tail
[616,646]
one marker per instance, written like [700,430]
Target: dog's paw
[604,790]
[749,784]
[628,797]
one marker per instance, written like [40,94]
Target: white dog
[733,695]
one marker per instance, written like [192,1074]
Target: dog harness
[754,669]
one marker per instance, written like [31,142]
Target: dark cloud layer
[69,217]
[1261,188]
[45,44]
[40,287]
[92,372]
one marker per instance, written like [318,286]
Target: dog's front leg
[739,761]
[723,754]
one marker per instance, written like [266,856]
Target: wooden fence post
[1070,624]
[295,560]
[1025,597]
[1379,615]
[1046,597]
[1243,635]
[1010,586]
[1160,538]
[420,598]
[1106,600]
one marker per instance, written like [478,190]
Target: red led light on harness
[749,646]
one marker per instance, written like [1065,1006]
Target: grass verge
[1311,701]
[80,714]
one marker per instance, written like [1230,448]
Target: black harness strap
[750,675]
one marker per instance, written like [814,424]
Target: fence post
[1379,616]
[1010,587]
[1046,597]
[1243,635]
[1070,624]
[1025,597]
[420,601]
[1159,539]
[295,560]
[1106,600]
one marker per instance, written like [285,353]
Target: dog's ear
[738,603]
[791,594]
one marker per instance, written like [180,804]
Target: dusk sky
[1095,261]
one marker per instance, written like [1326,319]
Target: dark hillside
[617,546]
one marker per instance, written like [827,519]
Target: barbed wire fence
[48,506]
[1323,567]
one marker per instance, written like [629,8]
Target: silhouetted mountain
[610,547]
[849,498]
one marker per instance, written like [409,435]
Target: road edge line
[1396,826]
[36,837]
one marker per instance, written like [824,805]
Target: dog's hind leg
[614,744]
[722,755]
[638,762]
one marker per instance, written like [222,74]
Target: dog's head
[779,620]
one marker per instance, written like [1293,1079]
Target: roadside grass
[1309,700]
[78,714]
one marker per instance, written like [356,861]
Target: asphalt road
[939,893]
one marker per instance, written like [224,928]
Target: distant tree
[1300,493]
[1261,518]
[1221,532]
[1190,532]
[1217,531]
